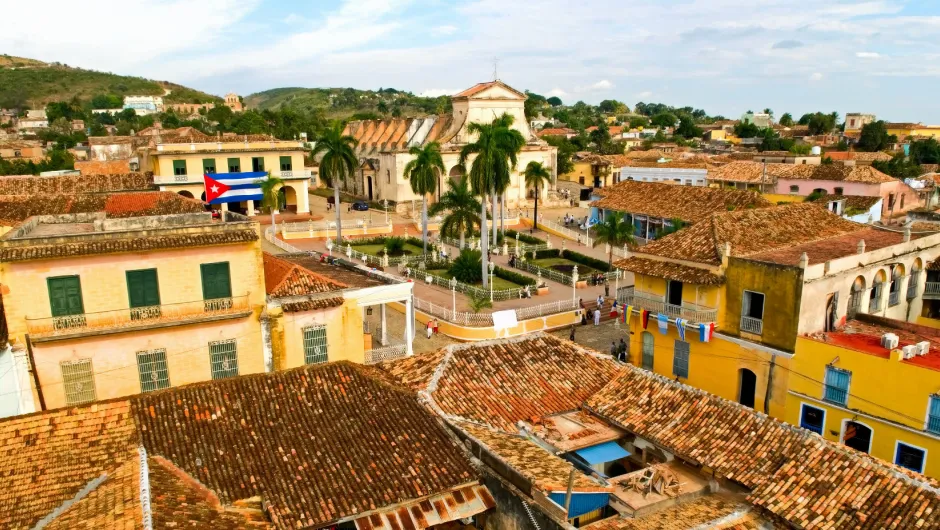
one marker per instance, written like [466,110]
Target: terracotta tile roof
[117,246]
[346,421]
[751,232]
[47,458]
[871,157]
[712,512]
[480,87]
[680,164]
[115,140]
[924,226]
[398,134]
[794,474]
[756,172]
[150,203]
[546,471]
[283,278]
[432,511]
[653,153]
[862,174]
[115,503]
[555,132]
[33,185]
[862,202]
[833,247]
[17,208]
[688,203]
[838,155]
[502,382]
[904,125]
[670,271]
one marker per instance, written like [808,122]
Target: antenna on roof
[495,68]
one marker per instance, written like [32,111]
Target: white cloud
[868,55]
[557,92]
[599,86]
[645,94]
[444,30]
[816,76]
[437,92]
[293,18]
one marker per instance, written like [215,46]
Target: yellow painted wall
[782,288]
[890,394]
[343,333]
[316,234]
[579,169]
[709,296]
[163,165]
[775,198]
[929,322]
[472,334]
[713,366]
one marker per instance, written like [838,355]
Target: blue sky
[726,56]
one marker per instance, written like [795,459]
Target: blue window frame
[837,385]
[812,418]
[910,457]
[933,415]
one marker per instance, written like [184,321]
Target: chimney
[725,253]
[907,233]
[861,246]
[804,261]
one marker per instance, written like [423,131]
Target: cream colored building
[179,167]
[384,144]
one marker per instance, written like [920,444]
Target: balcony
[655,304]
[294,174]
[752,325]
[136,318]
[932,290]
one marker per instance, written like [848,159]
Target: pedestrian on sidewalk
[430,328]
[606,287]
[623,351]
[614,350]
[597,316]
[571,336]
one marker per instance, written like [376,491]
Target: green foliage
[395,246]
[899,167]
[544,254]
[639,121]
[786,120]
[616,231]
[269,188]
[462,209]
[514,277]
[874,137]
[524,238]
[925,151]
[688,129]
[343,103]
[746,130]
[820,123]
[593,263]
[55,160]
[478,301]
[554,101]
[107,101]
[664,119]
[675,226]
[827,161]
[773,142]
[534,104]
[814,196]
[612,106]
[565,150]
[801,149]
[467,267]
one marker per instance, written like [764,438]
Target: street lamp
[453,292]
[385,204]
[492,268]
[329,247]
[617,284]
[574,284]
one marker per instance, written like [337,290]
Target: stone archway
[457,174]
[287,198]
[187,194]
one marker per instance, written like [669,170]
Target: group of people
[432,327]
[569,219]
[619,351]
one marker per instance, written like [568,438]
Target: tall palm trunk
[495,237]
[484,244]
[339,222]
[463,235]
[535,219]
[424,225]
[502,214]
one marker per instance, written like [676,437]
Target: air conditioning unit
[909,351]
[923,347]
[889,341]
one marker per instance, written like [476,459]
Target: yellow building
[179,167]
[880,400]
[904,130]
[764,277]
[316,312]
[142,292]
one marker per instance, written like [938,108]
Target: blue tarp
[600,453]
[581,503]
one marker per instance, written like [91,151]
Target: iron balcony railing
[933,424]
[655,303]
[836,395]
[752,325]
[932,290]
[136,317]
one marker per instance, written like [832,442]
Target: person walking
[606,287]
[571,335]
[597,316]
[430,328]
[622,350]
[614,350]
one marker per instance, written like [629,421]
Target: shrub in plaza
[593,263]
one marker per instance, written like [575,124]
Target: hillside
[37,83]
[346,102]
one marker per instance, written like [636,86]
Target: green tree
[639,121]
[746,130]
[899,167]
[612,106]
[664,119]
[420,172]
[478,301]
[615,231]
[565,150]
[269,188]
[495,149]
[382,107]
[466,267]
[600,136]
[337,163]
[688,129]
[786,120]
[800,149]
[874,137]
[461,207]
[248,122]
[536,176]
[925,151]
[534,103]
[221,114]
[554,101]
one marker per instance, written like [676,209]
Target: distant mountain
[35,83]
[348,102]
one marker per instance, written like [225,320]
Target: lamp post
[617,284]
[492,269]
[385,205]
[453,293]
[329,247]
[574,284]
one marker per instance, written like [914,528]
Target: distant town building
[189,109]
[34,121]
[233,101]
[760,119]
[22,149]
[854,121]
[144,105]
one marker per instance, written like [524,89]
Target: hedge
[378,240]
[543,254]
[514,277]
[525,238]
[593,263]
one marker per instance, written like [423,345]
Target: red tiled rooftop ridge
[283,278]
[667,201]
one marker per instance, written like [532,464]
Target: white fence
[280,243]
[567,233]
[516,247]
[498,295]
[561,277]
[350,225]
[482,320]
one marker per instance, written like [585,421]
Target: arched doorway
[457,174]
[855,298]
[875,294]
[187,194]
[747,387]
[369,184]
[857,436]
[287,198]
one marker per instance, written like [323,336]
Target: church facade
[384,144]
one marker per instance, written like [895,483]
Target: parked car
[360,206]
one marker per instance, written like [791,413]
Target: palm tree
[536,176]
[495,148]
[269,188]
[420,173]
[616,231]
[462,206]
[515,142]
[337,164]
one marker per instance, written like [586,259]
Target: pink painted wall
[898,188]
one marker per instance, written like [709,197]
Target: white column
[384,338]
[251,207]
[224,206]
[409,326]
[303,199]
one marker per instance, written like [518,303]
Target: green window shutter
[208,165]
[78,379]
[223,358]
[142,288]
[257,164]
[648,350]
[234,165]
[151,365]
[285,163]
[216,280]
[680,359]
[315,347]
[179,167]
[65,296]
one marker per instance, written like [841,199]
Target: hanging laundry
[680,326]
[663,324]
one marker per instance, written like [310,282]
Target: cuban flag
[233,187]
